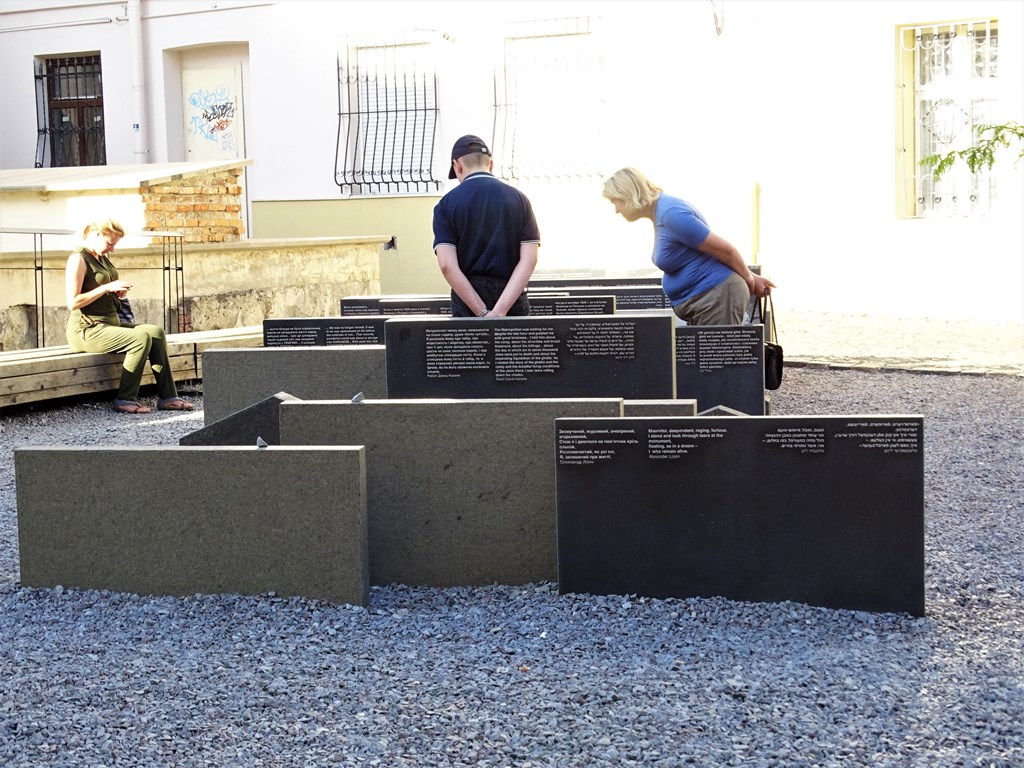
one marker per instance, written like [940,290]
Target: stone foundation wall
[226,285]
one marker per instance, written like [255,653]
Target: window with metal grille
[69,112]
[552,71]
[387,117]
[948,87]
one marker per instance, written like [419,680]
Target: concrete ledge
[459,492]
[209,520]
[234,379]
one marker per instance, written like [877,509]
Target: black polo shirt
[486,220]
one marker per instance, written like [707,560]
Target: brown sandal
[174,404]
[131,407]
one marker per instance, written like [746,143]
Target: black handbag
[124,311]
[773,358]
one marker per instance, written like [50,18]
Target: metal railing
[172,269]
[387,116]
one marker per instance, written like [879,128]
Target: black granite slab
[557,356]
[627,297]
[371,305]
[323,331]
[823,510]
[547,283]
[360,305]
[721,365]
[441,305]
[572,305]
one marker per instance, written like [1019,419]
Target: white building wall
[795,97]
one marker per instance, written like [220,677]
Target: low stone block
[234,379]
[261,420]
[721,410]
[659,408]
[208,520]
[459,492]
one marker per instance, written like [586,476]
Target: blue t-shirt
[486,220]
[678,229]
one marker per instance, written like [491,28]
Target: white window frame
[947,87]
[387,114]
[550,74]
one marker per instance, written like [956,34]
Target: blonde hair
[106,226]
[631,187]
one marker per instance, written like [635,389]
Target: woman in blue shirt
[706,280]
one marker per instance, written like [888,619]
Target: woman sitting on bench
[94,290]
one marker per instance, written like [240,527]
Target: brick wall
[205,207]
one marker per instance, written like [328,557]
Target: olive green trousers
[138,342]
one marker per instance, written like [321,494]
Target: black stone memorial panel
[322,331]
[572,305]
[627,297]
[721,365]
[558,356]
[823,510]
[396,304]
[360,305]
[547,283]
[441,305]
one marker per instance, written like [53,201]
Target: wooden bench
[29,375]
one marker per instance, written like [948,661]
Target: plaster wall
[780,126]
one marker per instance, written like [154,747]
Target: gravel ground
[521,676]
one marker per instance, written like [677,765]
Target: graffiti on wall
[213,119]
[213,112]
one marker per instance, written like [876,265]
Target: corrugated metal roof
[93,177]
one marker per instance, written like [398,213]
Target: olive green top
[98,271]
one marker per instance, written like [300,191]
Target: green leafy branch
[982,153]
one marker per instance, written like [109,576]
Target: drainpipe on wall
[134,13]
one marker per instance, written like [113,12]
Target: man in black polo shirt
[485,237]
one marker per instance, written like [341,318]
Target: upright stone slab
[353,306]
[234,379]
[591,281]
[679,407]
[323,331]
[459,492]
[371,305]
[721,365]
[825,510]
[410,305]
[626,296]
[572,305]
[209,520]
[570,356]
[722,410]
[259,421]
